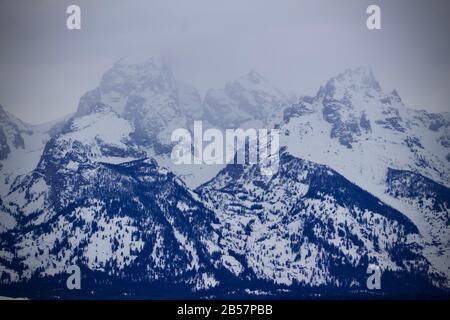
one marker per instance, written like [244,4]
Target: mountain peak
[394,93]
[5,115]
[361,77]
[360,70]
[249,97]
[147,79]
[254,81]
[139,60]
[255,77]
[137,71]
[357,80]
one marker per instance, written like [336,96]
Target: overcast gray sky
[298,45]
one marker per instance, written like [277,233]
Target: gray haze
[298,45]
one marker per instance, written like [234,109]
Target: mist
[298,45]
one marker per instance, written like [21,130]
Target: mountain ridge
[344,196]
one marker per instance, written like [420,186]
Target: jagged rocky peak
[255,77]
[145,92]
[7,119]
[11,133]
[146,78]
[249,97]
[152,74]
[352,102]
[21,147]
[354,89]
[252,76]
[257,85]
[359,80]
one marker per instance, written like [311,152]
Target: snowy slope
[430,203]
[96,201]
[357,129]
[21,146]
[309,226]
[362,180]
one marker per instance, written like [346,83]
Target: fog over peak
[296,45]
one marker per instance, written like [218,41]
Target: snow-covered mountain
[21,146]
[362,180]
[357,129]
[147,94]
[309,226]
[352,117]
[96,201]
